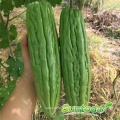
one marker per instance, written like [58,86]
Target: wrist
[28,77]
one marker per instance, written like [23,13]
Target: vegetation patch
[106,21]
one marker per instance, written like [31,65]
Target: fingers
[26,56]
[24,48]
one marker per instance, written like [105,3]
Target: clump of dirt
[106,21]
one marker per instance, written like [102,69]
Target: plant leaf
[54,2]
[4,43]
[4,35]
[109,104]
[16,67]
[12,33]
[0,60]
[19,3]
[6,6]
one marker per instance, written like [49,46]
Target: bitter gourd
[44,54]
[75,59]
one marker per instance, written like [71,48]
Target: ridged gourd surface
[44,54]
[75,57]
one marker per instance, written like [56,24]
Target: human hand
[26,59]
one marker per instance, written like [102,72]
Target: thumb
[25,50]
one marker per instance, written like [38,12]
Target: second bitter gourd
[75,59]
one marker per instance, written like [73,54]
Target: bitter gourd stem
[71,4]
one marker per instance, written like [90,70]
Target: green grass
[111,4]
